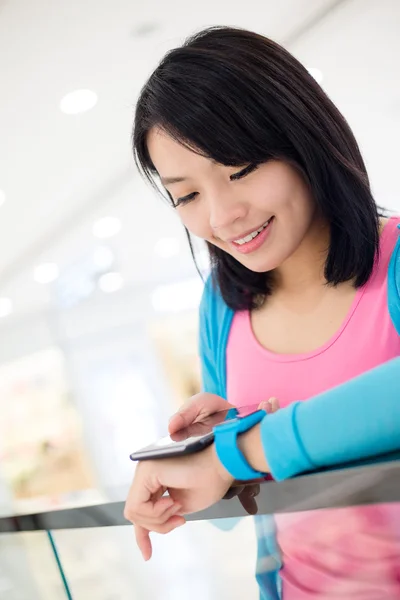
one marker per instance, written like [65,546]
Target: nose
[225,209]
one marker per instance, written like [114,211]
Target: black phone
[192,439]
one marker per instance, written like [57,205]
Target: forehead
[171,158]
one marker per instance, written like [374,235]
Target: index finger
[188,413]
[196,409]
[247,498]
[199,427]
[143,541]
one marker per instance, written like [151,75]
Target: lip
[243,235]
[256,242]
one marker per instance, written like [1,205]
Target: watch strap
[227,449]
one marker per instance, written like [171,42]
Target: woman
[261,165]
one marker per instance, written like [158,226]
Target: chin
[260,265]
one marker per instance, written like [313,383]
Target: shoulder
[394,275]
[389,239]
[394,233]
[215,314]
[389,226]
[212,302]
[390,236]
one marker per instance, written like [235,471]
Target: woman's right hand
[203,405]
[197,409]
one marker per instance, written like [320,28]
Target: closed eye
[246,171]
[234,177]
[185,199]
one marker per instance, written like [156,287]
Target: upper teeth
[252,235]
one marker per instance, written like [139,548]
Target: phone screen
[194,437]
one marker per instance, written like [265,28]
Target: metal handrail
[351,485]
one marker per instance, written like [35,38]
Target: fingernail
[274,404]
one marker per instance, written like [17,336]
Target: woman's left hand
[194,483]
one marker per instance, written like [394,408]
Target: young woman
[302,304]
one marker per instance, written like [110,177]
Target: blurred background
[98,292]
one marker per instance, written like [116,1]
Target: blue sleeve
[209,375]
[211,383]
[356,420]
[394,286]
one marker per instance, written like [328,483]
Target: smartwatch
[226,446]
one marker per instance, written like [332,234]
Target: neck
[305,268]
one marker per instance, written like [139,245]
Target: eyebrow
[170,180]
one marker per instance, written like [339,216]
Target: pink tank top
[342,553]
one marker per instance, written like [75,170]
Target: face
[260,215]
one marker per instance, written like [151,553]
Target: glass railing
[89,552]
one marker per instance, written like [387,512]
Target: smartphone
[193,438]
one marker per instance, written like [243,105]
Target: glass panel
[28,570]
[104,563]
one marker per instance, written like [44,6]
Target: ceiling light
[103,257]
[317,74]
[177,297]
[106,227]
[167,247]
[111,282]
[78,101]
[6,307]
[2,197]
[46,273]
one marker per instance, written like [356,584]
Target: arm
[356,420]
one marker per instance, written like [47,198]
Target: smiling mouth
[248,238]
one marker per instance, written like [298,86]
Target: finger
[274,402]
[152,508]
[159,518]
[159,495]
[180,421]
[143,541]
[162,528]
[199,428]
[173,523]
[270,406]
[249,504]
[247,499]
[233,491]
[199,406]
[180,435]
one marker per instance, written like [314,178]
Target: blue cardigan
[294,438]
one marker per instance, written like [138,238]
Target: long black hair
[239,98]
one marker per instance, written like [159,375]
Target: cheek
[294,204]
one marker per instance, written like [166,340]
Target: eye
[246,171]
[185,199]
